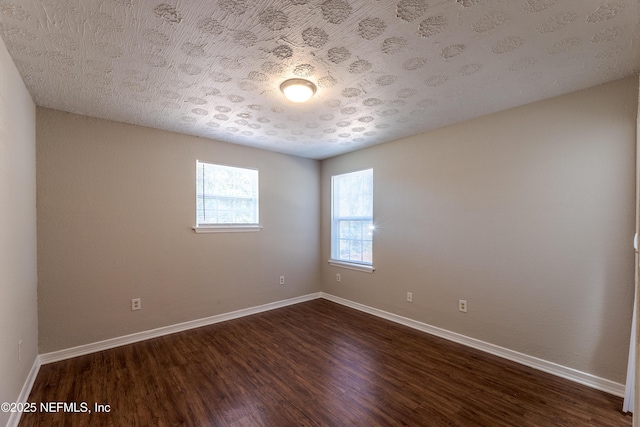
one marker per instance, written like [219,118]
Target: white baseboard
[584,378]
[14,418]
[81,350]
[580,377]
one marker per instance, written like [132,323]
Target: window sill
[226,228]
[352,266]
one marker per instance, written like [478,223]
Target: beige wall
[116,204]
[527,214]
[18,278]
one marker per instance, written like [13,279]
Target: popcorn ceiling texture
[384,69]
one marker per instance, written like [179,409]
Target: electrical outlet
[409,297]
[338,278]
[282,280]
[19,350]
[462,305]
[136,304]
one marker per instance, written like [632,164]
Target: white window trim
[366,268]
[243,228]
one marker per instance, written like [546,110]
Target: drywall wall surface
[18,274]
[527,214]
[116,207]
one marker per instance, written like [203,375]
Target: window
[352,220]
[226,198]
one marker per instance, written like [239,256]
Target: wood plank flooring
[312,364]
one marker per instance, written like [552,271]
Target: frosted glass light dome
[298,90]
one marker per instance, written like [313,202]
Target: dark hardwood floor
[312,364]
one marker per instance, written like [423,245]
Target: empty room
[318,212]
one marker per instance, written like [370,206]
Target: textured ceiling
[384,69]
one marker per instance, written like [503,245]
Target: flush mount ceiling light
[298,90]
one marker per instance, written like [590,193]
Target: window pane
[367,230]
[226,195]
[200,209]
[355,250]
[355,230]
[367,252]
[225,217]
[344,249]
[352,217]
[344,229]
